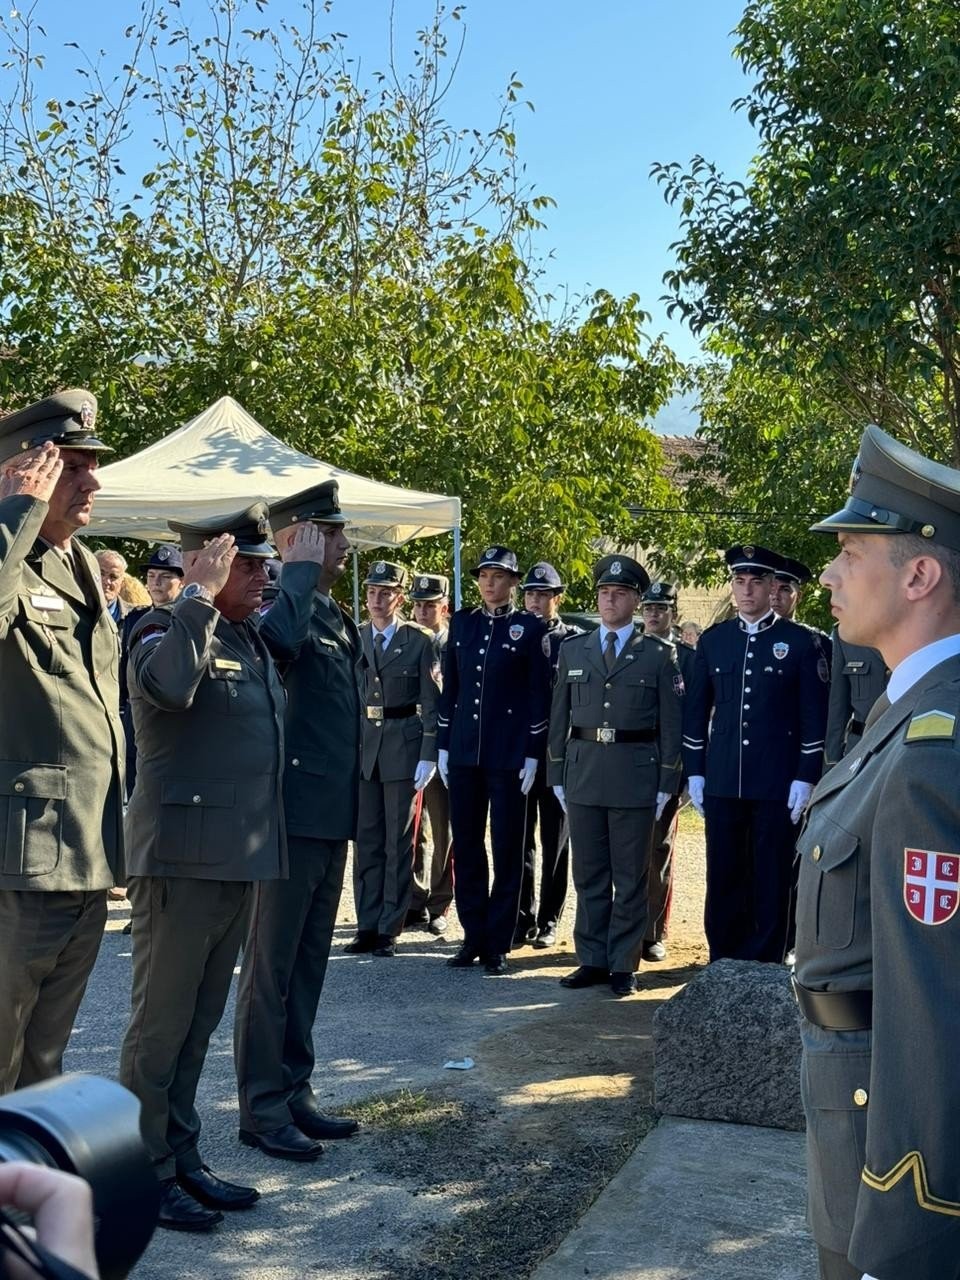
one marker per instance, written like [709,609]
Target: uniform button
[817,853]
[749,672]
[479,668]
[476,702]
[746,742]
[376,679]
[481,650]
[295,760]
[606,724]
[606,705]
[607,685]
[750,654]
[233,693]
[18,786]
[860,1097]
[746,688]
[746,706]
[475,716]
[196,799]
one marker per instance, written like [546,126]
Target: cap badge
[616,567]
[262,527]
[163,553]
[516,632]
[86,414]
[928,530]
[780,650]
[748,552]
[856,471]
[380,566]
[539,571]
[656,588]
[424,583]
[490,553]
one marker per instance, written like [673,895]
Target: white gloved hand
[424,772]
[695,787]
[527,775]
[866,1277]
[662,798]
[561,796]
[799,798]
[443,766]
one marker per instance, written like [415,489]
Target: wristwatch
[194,591]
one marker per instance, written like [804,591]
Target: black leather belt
[856,726]
[835,1010]
[614,735]
[392,713]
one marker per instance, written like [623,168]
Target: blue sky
[617,85]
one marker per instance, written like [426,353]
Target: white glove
[527,775]
[662,798]
[443,766]
[561,796]
[695,787]
[866,1277]
[424,772]
[798,799]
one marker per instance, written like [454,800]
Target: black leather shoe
[547,937]
[385,946]
[588,975]
[437,926]
[214,1192]
[463,959]
[364,942]
[285,1143]
[623,984]
[654,951]
[417,919]
[316,1125]
[524,935]
[180,1212]
[496,964]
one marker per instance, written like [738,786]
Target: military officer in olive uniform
[859,676]
[759,690]
[62,744]
[543,594]
[614,762]
[205,820]
[433,858]
[400,683]
[659,612]
[878,926]
[291,925]
[493,720]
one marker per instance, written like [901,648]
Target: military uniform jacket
[408,677]
[317,648]
[644,690]
[60,735]
[207,707]
[858,678]
[496,689]
[767,693]
[877,907]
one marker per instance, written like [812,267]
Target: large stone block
[727,1047]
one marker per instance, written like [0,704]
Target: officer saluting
[493,719]
[878,928]
[614,760]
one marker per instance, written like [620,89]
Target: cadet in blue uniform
[787,587]
[878,925]
[492,726]
[542,594]
[761,676]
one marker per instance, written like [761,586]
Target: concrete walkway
[697,1201]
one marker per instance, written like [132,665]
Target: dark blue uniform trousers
[750,852]
[544,806]
[488,913]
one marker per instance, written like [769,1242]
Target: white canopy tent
[223,459]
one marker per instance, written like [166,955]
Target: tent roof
[223,460]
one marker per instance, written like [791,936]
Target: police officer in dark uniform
[204,822]
[762,679]
[542,594]
[433,859]
[493,721]
[858,678]
[658,606]
[614,760]
[878,925]
[62,752]
[291,928]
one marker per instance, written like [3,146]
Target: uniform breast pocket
[46,638]
[578,683]
[640,692]
[724,682]
[828,882]
[229,681]
[859,675]
[31,816]
[196,822]
[405,682]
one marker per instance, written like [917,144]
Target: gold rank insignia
[931,724]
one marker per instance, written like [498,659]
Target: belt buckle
[374,713]
[606,735]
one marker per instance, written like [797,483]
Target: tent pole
[356,587]
[456,567]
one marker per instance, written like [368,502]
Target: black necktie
[610,650]
[877,710]
[378,643]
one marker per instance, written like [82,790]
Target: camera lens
[91,1127]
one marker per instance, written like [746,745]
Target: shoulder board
[928,725]
[665,644]
[415,626]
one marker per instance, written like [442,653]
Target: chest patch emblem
[931,885]
[516,632]
[780,650]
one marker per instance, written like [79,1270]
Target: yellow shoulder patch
[931,724]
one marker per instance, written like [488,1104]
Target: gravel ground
[455,1175]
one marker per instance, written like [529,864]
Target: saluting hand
[33,474]
[308,543]
[210,567]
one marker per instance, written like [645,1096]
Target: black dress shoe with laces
[316,1125]
[495,965]
[364,942]
[623,984]
[464,958]
[385,946]
[588,975]
[180,1212]
[285,1143]
[214,1192]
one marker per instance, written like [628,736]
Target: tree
[230,210]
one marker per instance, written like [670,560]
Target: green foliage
[227,209]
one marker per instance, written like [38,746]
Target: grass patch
[406,1112]
[690,823]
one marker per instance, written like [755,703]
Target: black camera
[90,1127]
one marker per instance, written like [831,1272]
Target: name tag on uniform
[52,603]
[577,672]
[227,664]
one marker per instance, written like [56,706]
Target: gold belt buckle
[607,735]
[374,713]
